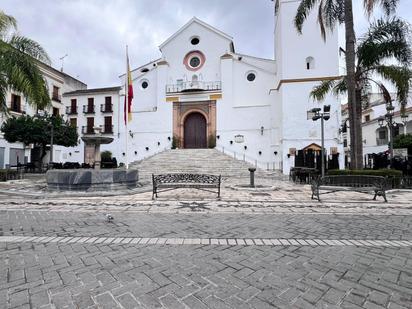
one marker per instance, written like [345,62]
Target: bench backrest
[355,181]
[186,178]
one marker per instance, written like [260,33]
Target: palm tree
[331,13]
[387,41]
[19,57]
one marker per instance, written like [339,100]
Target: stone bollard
[252,176]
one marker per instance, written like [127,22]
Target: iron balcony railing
[193,86]
[106,108]
[71,110]
[87,130]
[88,109]
[107,129]
[56,97]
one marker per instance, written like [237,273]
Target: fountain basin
[91,179]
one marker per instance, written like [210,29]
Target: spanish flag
[129,93]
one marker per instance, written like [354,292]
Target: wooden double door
[195,131]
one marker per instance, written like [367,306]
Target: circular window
[194,62]
[251,77]
[194,41]
[145,84]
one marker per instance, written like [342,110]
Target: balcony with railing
[104,129]
[88,130]
[193,86]
[107,129]
[71,110]
[106,108]
[88,109]
[56,97]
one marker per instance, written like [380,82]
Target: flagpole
[126,104]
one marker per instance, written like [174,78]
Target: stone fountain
[93,179]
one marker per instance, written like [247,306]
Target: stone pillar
[97,157]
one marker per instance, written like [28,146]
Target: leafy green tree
[37,130]
[330,14]
[19,69]
[386,40]
[403,141]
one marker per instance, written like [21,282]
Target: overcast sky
[94,32]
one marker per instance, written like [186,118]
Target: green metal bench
[167,182]
[356,183]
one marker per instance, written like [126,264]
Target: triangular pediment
[199,22]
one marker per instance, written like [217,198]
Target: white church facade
[202,93]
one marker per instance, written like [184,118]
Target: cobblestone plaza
[261,248]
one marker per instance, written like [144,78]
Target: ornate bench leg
[376,194]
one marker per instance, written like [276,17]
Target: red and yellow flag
[129,96]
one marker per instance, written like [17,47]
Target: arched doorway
[195,131]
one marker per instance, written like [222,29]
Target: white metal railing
[269,166]
[192,86]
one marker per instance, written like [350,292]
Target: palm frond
[333,13]
[388,6]
[30,47]
[340,87]
[320,91]
[320,20]
[23,75]
[385,39]
[6,22]
[303,12]
[400,77]
[3,93]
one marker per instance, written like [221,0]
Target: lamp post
[325,115]
[404,119]
[391,124]
[51,142]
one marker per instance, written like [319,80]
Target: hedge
[381,172]
[8,174]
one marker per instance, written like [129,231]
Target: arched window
[382,136]
[195,78]
[310,63]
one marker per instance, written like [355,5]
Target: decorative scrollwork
[186,178]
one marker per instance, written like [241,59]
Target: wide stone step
[200,161]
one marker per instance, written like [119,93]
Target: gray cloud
[94,33]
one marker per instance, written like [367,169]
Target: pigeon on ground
[109,218]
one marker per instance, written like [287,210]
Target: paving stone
[128,301]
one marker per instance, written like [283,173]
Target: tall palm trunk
[353,104]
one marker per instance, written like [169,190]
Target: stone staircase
[200,161]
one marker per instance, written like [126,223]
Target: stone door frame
[182,109]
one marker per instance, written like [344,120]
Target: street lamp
[51,142]
[404,119]
[391,124]
[325,115]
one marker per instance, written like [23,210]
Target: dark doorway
[195,135]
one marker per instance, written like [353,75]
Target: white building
[57,82]
[376,138]
[201,93]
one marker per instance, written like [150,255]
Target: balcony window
[382,136]
[89,108]
[56,94]
[15,103]
[73,122]
[107,107]
[108,125]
